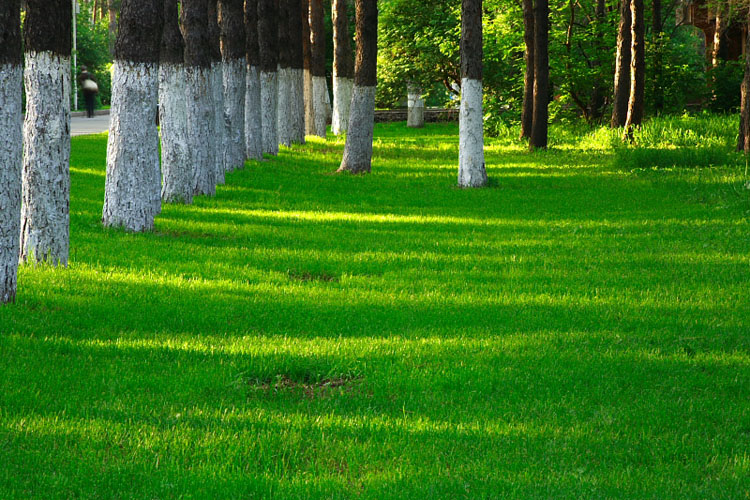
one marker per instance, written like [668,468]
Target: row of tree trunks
[10,146]
[343,67]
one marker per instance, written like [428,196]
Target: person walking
[90,89]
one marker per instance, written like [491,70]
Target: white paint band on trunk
[297,105]
[176,165]
[234,112]
[342,99]
[11,157]
[253,116]
[320,105]
[269,92]
[415,114]
[132,192]
[221,139]
[45,216]
[471,169]
[358,148]
[200,121]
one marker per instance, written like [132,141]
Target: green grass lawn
[580,329]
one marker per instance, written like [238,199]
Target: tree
[284,76]
[132,193]
[307,64]
[358,149]
[743,142]
[637,68]
[471,169]
[538,138]
[176,165]
[231,21]
[415,106]
[318,67]
[343,66]
[11,146]
[527,111]
[45,216]
[297,78]
[622,67]
[253,116]
[220,125]
[199,96]
[268,36]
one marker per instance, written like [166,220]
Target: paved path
[80,125]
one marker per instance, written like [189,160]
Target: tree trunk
[231,21]
[471,169]
[415,106]
[113,8]
[132,193]
[45,216]
[11,147]
[176,165]
[318,66]
[527,111]
[253,116]
[622,67]
[220,126]
[657,30]
[596,108]
[307,59]
[297,78]
[268,36]
[743,143]
[637,69]
[199,96]
[358,149]
[343,67]
[722,11]
[538,139]
[284,76]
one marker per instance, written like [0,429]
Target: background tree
[253,115]
[358,149]
[471,169]
[132,193]
[199,96]
[284,105]
[538,138]
[637,68]
[297,86]
[318,67]
[622,67]
[527,111]
[343,66]
[176,165]
[45,214]
[220,124]
[11,146]
[743,142]
[232,24]
[268,36]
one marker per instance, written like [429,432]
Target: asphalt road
[80,125]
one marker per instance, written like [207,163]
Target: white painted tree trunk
[342,99]
[200,121]
[358,149]
[471,169]
[45,216]
[320,107]
[329,104]
[309,108]
[234,111]
[253,116]
[297,105]
[269,92]
[132,191]
[221,137]
[284,125]
[176,165]
[415,115]
[11,148]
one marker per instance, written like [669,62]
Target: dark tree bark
[46,163]
[113,8]
[132,195]
[195,32]
[232,26]
[743,142]
[11,146]
[636,102]
[471,169]
[284,76]
[268,36]
[297,93]
[214,31]
[172,48]
[232,29]
[252,47]
[285,49]
[318,66]
[307,65]
[657,32]
[296,34]
[527,112]
[253,116]
[358,150]
[220,132]
[622,67]
[538,139]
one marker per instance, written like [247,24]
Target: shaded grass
[578,330]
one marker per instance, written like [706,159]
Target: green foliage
[577,331]
[93,52]
[725,82]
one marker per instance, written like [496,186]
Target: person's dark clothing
[88,95]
